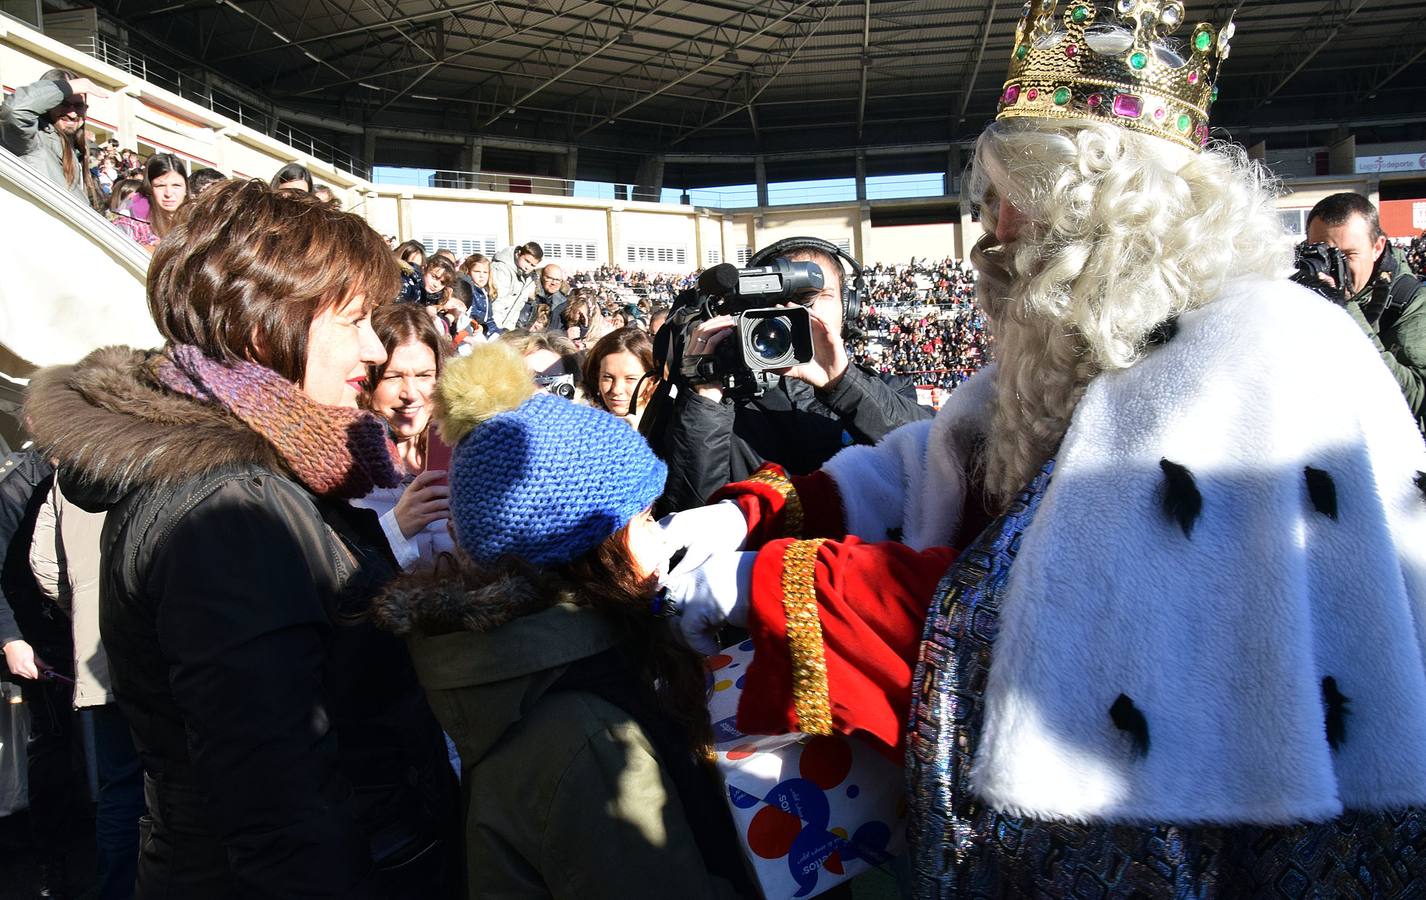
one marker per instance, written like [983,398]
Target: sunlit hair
[1122,232]
[624,340]
[247,269]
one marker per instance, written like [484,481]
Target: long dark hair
[291,172]
[404,250]
[673,677]
[75,170]
[159,165]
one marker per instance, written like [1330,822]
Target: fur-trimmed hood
[488,649]
[113,427]
[457,597]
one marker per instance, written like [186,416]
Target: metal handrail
[201,92]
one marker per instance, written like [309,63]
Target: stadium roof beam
[558,76]
[649,95]
[431,67]
[1331,20]
[1407,59]
[866,62]
[973,66]
[753,98]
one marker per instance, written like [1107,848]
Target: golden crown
[1120,62]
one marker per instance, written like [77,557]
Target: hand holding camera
[740,323]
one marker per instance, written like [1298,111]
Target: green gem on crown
[1184,123]
[1062,96]
[1139,60]
[1213,95]
[1202,41]
[1022,51]
[1080,15]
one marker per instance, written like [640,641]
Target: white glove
[703,531]
[707,597]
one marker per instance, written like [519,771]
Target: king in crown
[1125,62]
[1140,609]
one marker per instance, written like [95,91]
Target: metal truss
[1317,34]
[791,44]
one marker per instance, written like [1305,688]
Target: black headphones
[852,287]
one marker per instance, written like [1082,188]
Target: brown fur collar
[461,596]
[108,420]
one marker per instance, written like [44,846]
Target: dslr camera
[1322,259]
[765,336]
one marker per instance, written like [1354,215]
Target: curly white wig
[1122,232]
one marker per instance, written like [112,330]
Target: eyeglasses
[78,106]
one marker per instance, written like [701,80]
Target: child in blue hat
[581,723]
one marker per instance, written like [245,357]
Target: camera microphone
[719,281]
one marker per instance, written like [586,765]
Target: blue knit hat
[533,475]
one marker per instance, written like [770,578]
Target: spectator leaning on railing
[43,124]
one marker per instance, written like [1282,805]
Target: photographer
[801,419]
[1384,297]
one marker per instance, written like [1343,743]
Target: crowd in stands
[1416,255]
[919,320]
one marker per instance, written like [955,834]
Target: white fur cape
[1222,637]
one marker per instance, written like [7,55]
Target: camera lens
[771,339]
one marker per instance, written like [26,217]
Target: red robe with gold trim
[822,662]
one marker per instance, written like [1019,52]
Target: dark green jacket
[565,796]
[1393,315]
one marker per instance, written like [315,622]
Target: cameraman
[801,419]
[1384,297]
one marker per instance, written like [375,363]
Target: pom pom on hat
[493,379]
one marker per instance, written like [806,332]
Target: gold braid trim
[804,637]
[792,508]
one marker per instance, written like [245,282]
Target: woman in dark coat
[287,749]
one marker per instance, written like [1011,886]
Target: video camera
[1313,260]
[764,336]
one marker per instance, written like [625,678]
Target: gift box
[811,812]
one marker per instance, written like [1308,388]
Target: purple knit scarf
[332,450]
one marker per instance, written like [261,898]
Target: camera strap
[1394,298]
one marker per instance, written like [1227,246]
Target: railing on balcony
[199,90]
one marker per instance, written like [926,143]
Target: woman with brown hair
[286,747]
[618,374]
[402,391]
[149,214]
[581,723]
